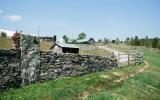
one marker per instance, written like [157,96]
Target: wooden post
[135,58]
[118,60]
[142,56]
[128,59]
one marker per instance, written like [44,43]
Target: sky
[97,18]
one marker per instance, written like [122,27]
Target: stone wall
[30,64]
[10,71]
[55,66]
[52,66]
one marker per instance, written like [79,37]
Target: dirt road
[124,58]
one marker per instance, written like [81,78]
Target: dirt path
[132,75]
[85,94]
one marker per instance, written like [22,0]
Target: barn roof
[64,45]
[83,40]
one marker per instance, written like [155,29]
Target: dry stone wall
[52,66]
[55,66]
[10,70]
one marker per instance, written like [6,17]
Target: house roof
[64,45]
[83,40]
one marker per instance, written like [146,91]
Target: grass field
[6,43]
[98,86]
[97,52]
[45,46]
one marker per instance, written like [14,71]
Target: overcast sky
[97,18]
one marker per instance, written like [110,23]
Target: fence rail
[136,57]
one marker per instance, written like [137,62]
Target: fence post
[135,58]
[118,59]
[128,59]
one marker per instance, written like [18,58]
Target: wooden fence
[133,57]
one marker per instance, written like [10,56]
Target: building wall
[91,41]
[57,49]
[70,50]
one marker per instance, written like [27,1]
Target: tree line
[81,35]
[107,41]
[147,42]
[136,41]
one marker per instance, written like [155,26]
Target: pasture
[124,83]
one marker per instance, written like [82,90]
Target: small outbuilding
[86,41]
[65,48]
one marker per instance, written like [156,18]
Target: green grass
[89,49]
[144,86]
[97,52]
[98,86]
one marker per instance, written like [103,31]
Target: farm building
[65,48]
[86,41]
[48,39]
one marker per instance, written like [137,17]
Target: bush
[16,40]
[3,34]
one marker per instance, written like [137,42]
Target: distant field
[45,46]
[6,43]
[88,49]
[97,52]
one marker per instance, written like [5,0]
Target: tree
[35,40]
[127,40]
[155,42]
[16,40]
[142,42]
[131,41]
[3,34]
[113,41]
[105,41]
[109,41]
[65,38]
[136,41]
[81,36]
[54,38]
[117,41]
[99,41]
[159,43]
[147,42]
